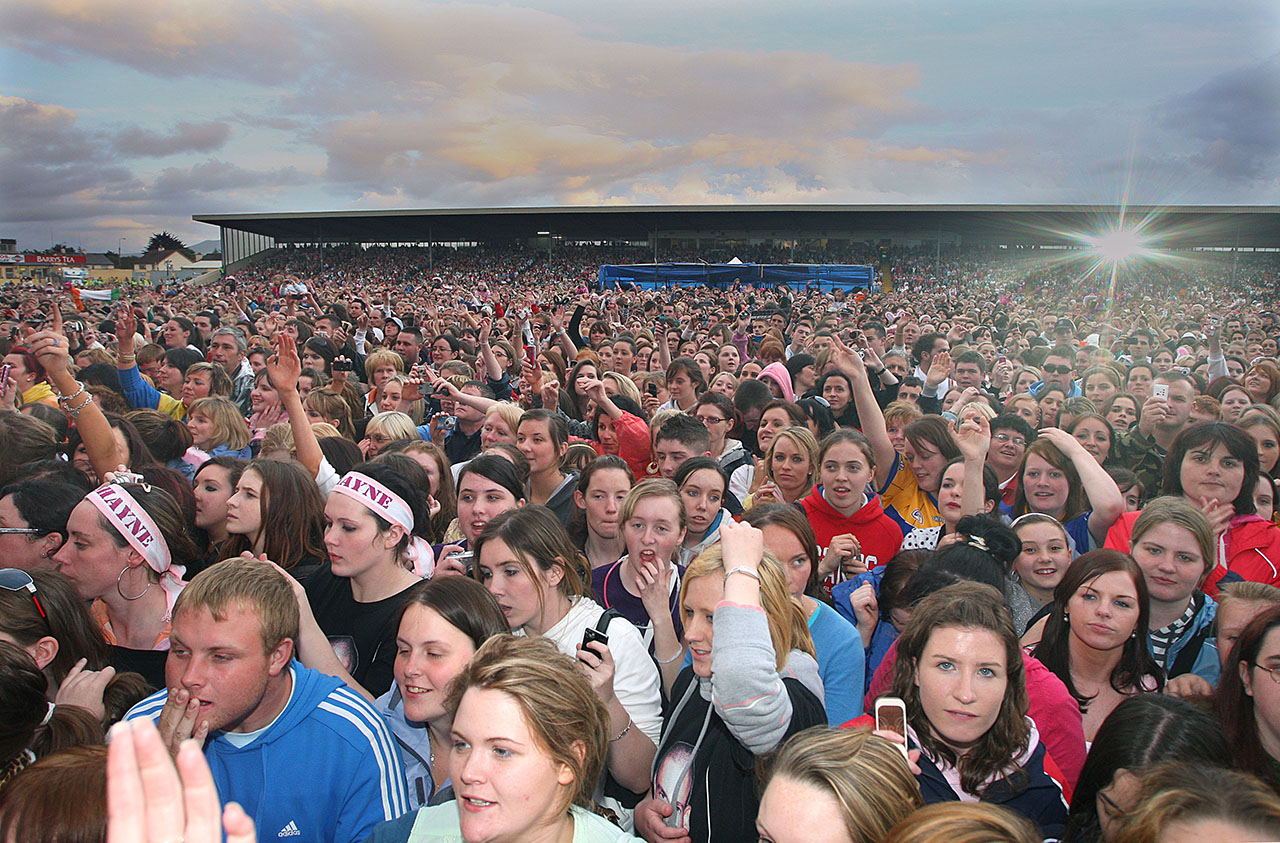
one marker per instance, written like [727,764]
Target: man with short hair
[1059,372]
[1143,449]
[970,371]
[408,344]
[924,350]
[227,348]
[304,755]
[206,321]
[463,442]
[681,438]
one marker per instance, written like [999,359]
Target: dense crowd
[409,544]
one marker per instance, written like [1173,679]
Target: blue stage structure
[654,276]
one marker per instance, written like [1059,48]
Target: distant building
[162,260]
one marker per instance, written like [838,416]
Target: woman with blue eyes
[960,672]
[1059,478]
[1095,635]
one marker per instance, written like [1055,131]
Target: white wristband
[743,569]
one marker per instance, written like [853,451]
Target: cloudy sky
[123,118]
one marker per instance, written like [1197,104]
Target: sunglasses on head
[16,579]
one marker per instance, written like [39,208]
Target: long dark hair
[967,605]
[1136,663]
[1235,704]
[1141,732]
[66,618]
[463,603]
[792,519]
[292,516]
[1205,435]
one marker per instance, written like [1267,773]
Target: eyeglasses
[1056,370]
[710,420]
[16,579]
[1002,438]
[28,530]
[1271,671]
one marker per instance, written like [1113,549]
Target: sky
[119,119]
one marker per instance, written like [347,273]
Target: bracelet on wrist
[74,412]
[743,569]
[624,732]
[678,654]
[65,399]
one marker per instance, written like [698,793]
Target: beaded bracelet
[74,412]
[66,399]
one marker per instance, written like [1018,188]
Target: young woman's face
[585,373]
[1234,402]
[702,492]
[520,596]
[195,385]
[844,473]
[1022,385]
[1261,685]
[430,652]
[389,396]
[1046,485]
[723,384]
[962,675]
[494,430]
[1050,404]
[1233,616]
[352,538]
[1104,611]
[1045,556]
[203,434]
[508,787]
[681,387]
[312,360]
[91,559]
[480,500]
[796,564]
[770,423]
[1211,474]
[701,596]
[1099,389]
[729,359]
[1094,436]
[926,463]
[1139,383]
[1264,499]
[263,393]
[244,507]
[951,492]
[213,488]
[1132,498]
[603,501]
[836,391]
[653,531]
[534,441]
[717,424]
[790,466]
[1170,558]
[1268,446]
[1123,414]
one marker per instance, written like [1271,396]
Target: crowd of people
[409,544]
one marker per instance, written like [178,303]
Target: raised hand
[284,367]
[972,436]
[939,369]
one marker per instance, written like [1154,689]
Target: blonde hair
[901,412]
[509,411]
[626,386]
[380,358]
[394,424]
[802,438]
[788,626]
[330,405]
[229,426]
[560,708]
[963,822]
[654,487]
[279,437]
[865,774]
[1180,792]
[1247,591]
[1177,510]
[252,585]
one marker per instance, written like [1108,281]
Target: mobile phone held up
[891,716]
[1160,390]
[592,635]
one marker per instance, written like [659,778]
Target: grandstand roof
[1179,226]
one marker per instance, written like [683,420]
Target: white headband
[385,503]
[132,521]
[377,498]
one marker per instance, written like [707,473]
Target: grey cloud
[1236,118]
[185,137]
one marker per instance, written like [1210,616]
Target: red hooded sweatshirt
[877,533]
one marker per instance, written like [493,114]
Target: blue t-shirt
[841,663]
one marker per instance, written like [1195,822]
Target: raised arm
[1104,496]
[284,368]
[869,412]
[50,348]
[491,368]
[973,438]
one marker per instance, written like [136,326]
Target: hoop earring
[120,591]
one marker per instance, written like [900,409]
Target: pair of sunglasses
[16,579]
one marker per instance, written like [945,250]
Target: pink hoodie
[778,372]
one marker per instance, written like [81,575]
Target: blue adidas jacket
[326,770]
